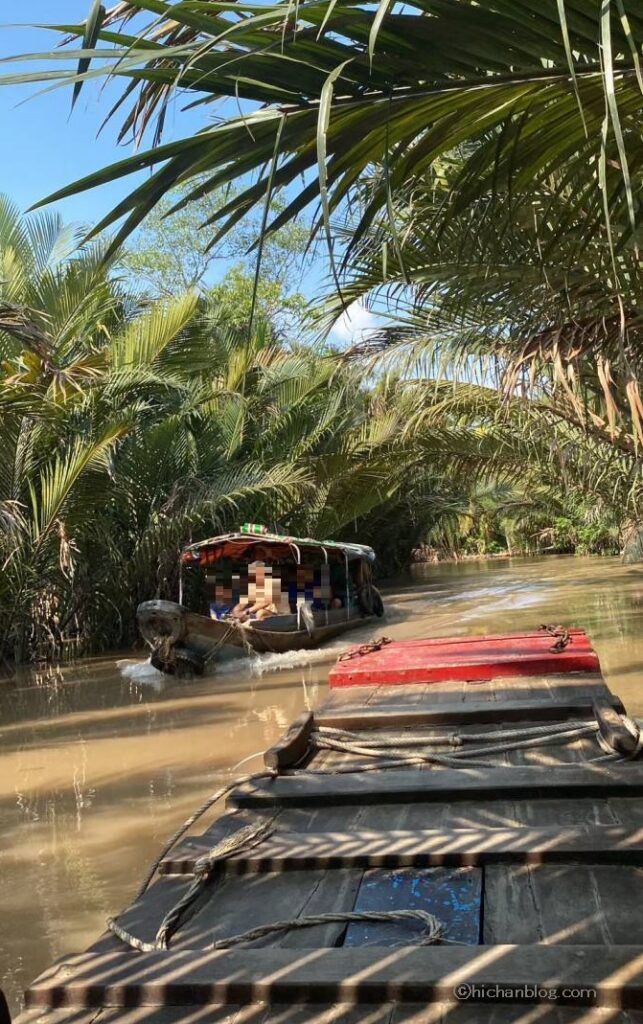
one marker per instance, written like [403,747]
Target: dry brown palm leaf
[121,12]
[633,392]
[23,323]
[577,338]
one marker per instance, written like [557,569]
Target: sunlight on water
[101,760]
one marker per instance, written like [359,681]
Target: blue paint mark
[453,895]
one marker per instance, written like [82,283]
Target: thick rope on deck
[633,726]
[443,738]
[243,839]
[388,755]
[269,773]
[432,932]
[128,938]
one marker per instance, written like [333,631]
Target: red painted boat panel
[465,657]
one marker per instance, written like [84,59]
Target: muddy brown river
[102,760]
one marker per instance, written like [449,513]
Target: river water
[100,761]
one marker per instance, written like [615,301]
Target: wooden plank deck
[455,713]
[453,702]
[420,848]
[534,865]
[602,976]
[394,786]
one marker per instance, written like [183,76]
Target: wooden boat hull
[183,641]
[531,860]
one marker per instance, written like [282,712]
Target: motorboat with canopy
[259,591]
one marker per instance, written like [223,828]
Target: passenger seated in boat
[223,598]
[298,586]
[264,595]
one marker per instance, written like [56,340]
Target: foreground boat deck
[532,862]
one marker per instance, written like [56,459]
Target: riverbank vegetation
[474,173]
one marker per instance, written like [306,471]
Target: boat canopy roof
[246,545]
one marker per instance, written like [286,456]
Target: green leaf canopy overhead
[531,91]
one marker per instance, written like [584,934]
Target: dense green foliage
[127,430]
[479,160]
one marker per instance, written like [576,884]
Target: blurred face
[263,586]
[256,582]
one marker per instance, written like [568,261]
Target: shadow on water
[100,762]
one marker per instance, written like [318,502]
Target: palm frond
[146,338]
[503,98]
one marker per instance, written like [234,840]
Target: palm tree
[536,444]
[534,95]
[96,404]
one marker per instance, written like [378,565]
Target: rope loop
[432,932]
[269,773]
[633,728]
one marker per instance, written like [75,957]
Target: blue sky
[45,146]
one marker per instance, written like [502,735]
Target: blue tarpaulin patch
[452,895]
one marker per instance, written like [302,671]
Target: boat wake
[141,672]
[260,664]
